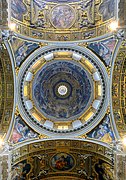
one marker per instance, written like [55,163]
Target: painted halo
[63,90]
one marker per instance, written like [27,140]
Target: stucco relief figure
[104,171]
[88,8]
[18,8]
[17,171]
[20,170]
[62,16]
[107,9]
[36,19]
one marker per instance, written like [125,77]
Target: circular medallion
[62,162]
[62,89]
[62,16]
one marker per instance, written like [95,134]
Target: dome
[63,90]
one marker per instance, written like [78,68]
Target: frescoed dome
[62,90]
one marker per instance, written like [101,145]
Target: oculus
[62,90]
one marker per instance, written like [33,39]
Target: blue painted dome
[62,90]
